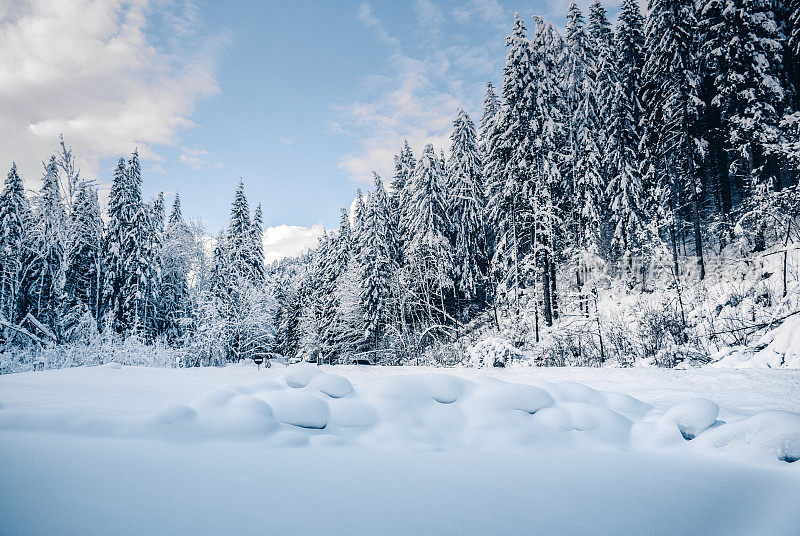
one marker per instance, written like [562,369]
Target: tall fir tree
[175,254]
[239,237]
[377,265]
[671,87]
[15,217]
[46,250]
[257,241]
[428,253]
[509,154]
[84,265]
[624,115]
[466,192]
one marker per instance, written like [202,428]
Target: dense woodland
[618,200]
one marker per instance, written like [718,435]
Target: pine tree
[623,116]
[46,249]
[509,153]
[84,276]
[257,241]
[428,254]
[376,263]
[491,107]
[239,237]
[467,204]
[14,220]
[113,262]
[670,87]
[742,42]
[175,254]
[545,189]
[585,161]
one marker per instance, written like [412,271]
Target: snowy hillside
[128,450]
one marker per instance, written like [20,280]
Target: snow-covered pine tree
[176,258]
[334,264]
[257,241]
[491,107]
[404,163]
[14,222]
[153,319]
[546,188]
[84,277]
[429,253]
[670,87]
[287,317]
[623,115]
[313,323]
[137,250]
[466,200]
[239,241]
[743,46]
[584,204]
[509,153]
[603,75]
[377,265]
[15,217]
[45,277]
[114,276]
[357,220]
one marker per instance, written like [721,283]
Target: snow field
[302,405]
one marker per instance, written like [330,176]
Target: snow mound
[500,396]
[770,434]
[300,375]
[298,408]
[112,365]
[332,385]
[305,406]
[217,414]
[442,388]
[693,417]
[778,348]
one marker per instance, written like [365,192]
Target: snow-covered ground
[381,450]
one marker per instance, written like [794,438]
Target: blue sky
[301,99]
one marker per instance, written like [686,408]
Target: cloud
[283,241]
[417,102]
[428,16]
[489,11]
[94,71]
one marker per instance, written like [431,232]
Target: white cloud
[417,102]
[283,241]
[89,69]
[489,11]
[428,16]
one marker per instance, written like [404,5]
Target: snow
[778,348]
[412,450]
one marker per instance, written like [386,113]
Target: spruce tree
[14,220]
[84,265]
[46,249]
[429,253]
[257,241]
[509,154]
[376,264]
[175,254]
[670,87]
[466,193]
[491,107]
[239,237]
[623,114]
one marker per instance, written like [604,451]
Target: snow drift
[303,405]
[778,348]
